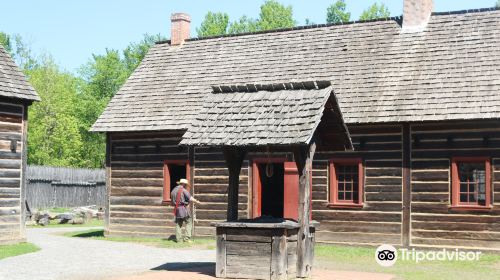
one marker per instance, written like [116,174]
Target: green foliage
[198,243]
[103,75]
[54,131]
[375,11]
[336,12]
[5,42]
[17,249]
[58,133]
[213,24]
[497,4]
[274,15]
[243,25]
[362,259]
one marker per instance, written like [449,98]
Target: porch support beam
[234,159]
[303,156]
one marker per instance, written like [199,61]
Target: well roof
[262,115]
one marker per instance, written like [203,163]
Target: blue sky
[71,30]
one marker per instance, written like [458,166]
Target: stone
[44,221]
[64,218]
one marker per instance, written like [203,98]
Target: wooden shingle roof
[450,71]
[257,115]
[13,83]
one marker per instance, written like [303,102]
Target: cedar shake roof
[450,71]
[255,115]
[13,83]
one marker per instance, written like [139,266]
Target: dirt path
[76,258]
[86,259]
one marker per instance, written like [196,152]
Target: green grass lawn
[198,243]
[91,223]
[17,249]
[349,259]
[363,259]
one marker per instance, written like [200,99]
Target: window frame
[455,184]
[333,201]
[166,177]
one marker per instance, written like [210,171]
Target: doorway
[177,172]
[271,176]
[275,188]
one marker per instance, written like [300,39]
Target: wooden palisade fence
[49,187]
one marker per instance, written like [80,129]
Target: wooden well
[247,249]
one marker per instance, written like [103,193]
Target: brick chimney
[416,14]
[180,28]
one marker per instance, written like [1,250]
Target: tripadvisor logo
[387,255]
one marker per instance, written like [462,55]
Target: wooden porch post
[234,159]
[303,157]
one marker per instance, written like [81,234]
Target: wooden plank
[406,217]
[137,182]
[359,237]
[431,175]
[279,259]
[220,263]
[430,187]
[348,215]
[303,157]
[248,248]
[349,226]
[456,243]
[454,226]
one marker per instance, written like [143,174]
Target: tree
[336,13]
[243,25]
[213,24]
[375,11]
[54,131]
[102,77]
[498,4]
[274,15]
[5,42]
[135,52]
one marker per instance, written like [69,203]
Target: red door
[291,193]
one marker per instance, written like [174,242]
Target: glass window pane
[463,187]
[463,197]
[348,196]
[340,196]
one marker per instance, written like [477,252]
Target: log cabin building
[419,95]
[16,94]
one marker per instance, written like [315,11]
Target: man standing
[180,199]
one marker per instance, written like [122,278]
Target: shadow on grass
[89,234]
[205,268]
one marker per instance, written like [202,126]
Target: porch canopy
[287,117]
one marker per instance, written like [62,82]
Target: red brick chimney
[416,14]
[180,28]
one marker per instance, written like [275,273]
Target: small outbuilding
[16,94]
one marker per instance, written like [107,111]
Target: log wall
[136,186]
[136,183]
[12,137]
[379,221]
[433,222]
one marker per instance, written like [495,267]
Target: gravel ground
[77,258]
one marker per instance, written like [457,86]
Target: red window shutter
[291,194]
